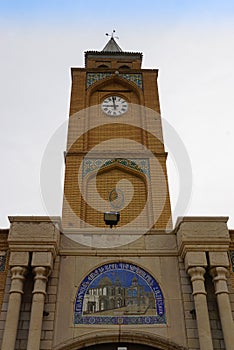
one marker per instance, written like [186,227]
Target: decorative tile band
[137,164]
[93,77]
[119,293]
[231,253]
[135,78]
[3,257]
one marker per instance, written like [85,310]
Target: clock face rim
[110,111]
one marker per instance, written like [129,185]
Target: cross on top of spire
[112,34]
[112,45]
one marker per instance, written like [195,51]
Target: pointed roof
[112,50]
[112,46]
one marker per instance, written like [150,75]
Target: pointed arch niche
[122,183]
[117,85]
[119,293]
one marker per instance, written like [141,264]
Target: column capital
[41,271]
[41,276]
[196,272]
[197,279]
[17,276]
[219,275]
[18,271]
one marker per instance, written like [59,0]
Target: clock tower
[78,284]
[115,159]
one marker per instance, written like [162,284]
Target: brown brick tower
[114,102]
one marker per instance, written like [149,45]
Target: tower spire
[112,45]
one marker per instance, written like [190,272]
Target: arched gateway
[120,341]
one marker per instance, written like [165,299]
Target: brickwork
[114,62]
[48,324]
[80,209]
[106,182]
[130,138]
[4,305]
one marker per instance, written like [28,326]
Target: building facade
[75,283]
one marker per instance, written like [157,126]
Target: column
[202,315]
[39,292]
[219,275]
[13,311]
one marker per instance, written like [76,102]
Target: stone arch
[115,79]
[114,337]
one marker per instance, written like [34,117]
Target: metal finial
[112,35]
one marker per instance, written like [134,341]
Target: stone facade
[75,283]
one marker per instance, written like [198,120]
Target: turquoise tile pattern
[135,78]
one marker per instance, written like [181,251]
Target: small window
[103,66]
[124,67]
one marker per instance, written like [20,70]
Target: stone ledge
[202,234]
[30,234]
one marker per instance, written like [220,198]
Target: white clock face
[114,106]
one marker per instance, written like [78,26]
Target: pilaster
[40,281]
[16,291]
[202,243]
[220,274]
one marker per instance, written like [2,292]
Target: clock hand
[113,99]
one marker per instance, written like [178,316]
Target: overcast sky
[190,42]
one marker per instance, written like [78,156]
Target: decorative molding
[135,78]
[138,164]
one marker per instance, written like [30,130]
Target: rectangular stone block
[47,325]
[42,259]
[219,259]
[45,345]
[19,259]
[52,290]
[193,259]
